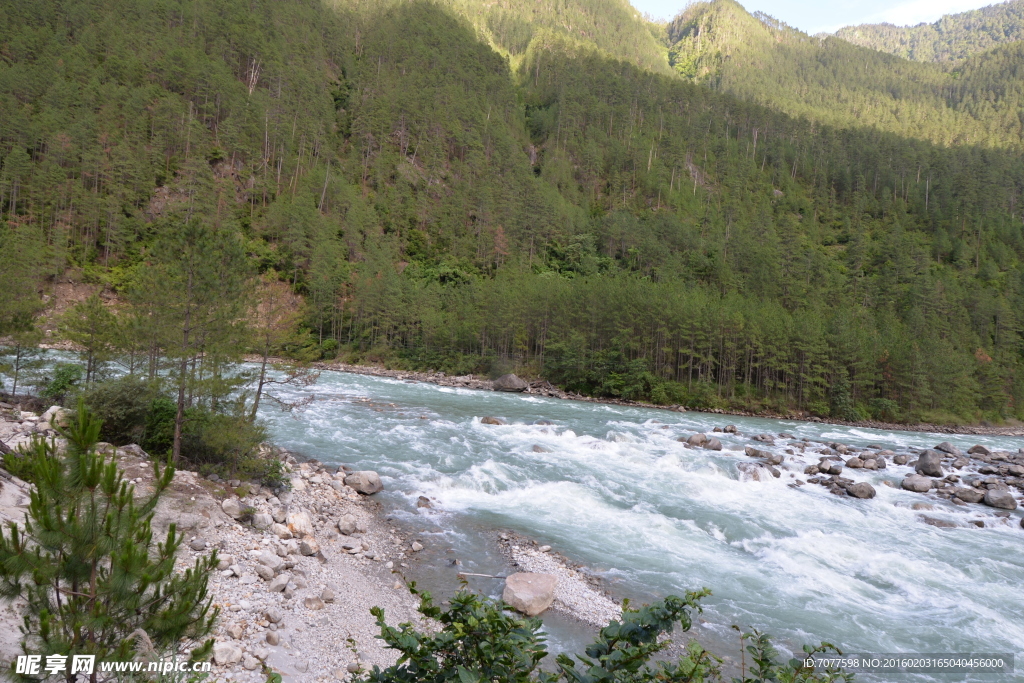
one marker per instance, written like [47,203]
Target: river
[616,491]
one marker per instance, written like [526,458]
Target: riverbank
[545,388]
[293,591]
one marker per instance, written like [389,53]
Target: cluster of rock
[1000,472]
[298,572]
[298,569]
[979,476]
[701,441]
[18,427]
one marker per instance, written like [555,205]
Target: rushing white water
[616,491]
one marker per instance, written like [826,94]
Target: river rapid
[612,488]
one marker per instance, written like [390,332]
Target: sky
[831,15]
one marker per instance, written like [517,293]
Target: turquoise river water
[620,494]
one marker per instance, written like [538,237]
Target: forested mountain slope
[612,26]
[951,38]
[438,204]
[829,80]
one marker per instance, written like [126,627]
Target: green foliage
[65,377]
[91,326]
[765,666]
[21,358]
[467,186]
[953,37]
[86,564]
[829,80]
[483,641]
[123,405]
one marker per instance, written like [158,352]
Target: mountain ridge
[951,38]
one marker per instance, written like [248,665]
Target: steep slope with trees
[951,38]
[554,207]
[829,80]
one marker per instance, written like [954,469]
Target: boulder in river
[917,483]
[929,464]
[947,447]
[697,440]
[861,490]
[530,593]
[978,449]
[969,495]
[756,471]
[492,421]
[730,429]
[366,482]
[855,463]
[998,498]
[830,467]
[509,383]
[900,459]
[713,444]
[757,453]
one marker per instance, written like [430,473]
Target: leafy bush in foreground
[481,641]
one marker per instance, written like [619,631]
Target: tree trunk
[259,387]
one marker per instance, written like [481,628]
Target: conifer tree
[195,292]
[86,564]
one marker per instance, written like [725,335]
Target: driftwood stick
[486,576]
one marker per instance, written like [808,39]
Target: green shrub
[158,436]
[123,405]
[481,641]
[66,377]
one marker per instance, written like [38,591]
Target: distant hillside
[829,80]
[951,38]
[445,187]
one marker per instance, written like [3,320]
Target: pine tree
[92,327]
[195,292]
[86,564]
[22,357]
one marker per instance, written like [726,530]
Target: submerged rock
[492,421]
[530,593]
[969,495]
[861,490]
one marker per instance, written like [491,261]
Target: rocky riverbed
[988,482]
[299,568]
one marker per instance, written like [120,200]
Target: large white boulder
[530,593]
[366,481]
